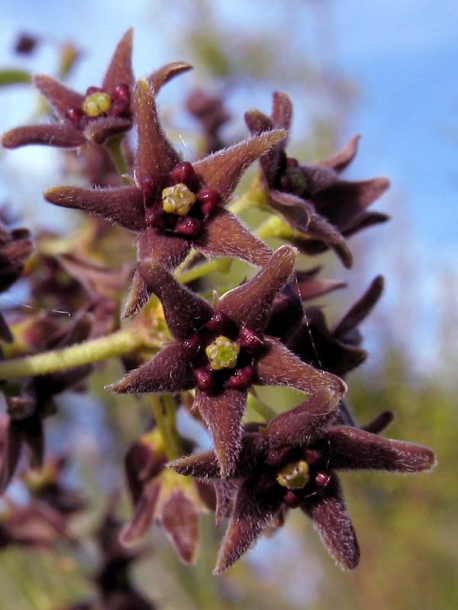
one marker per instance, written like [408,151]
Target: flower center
[97,103]
[222,353]
[178,199]
[295,475]
[294,178]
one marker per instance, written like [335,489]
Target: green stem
[217,264]
[266,412]
[118,343]
[255,196]
[164,410]
[274,226]
[115,148]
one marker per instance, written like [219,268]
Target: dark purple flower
[293,462]
[320,206]
[175,205]
[158,497]
[222,350]
[100,113]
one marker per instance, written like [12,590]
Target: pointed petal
[342,158]
[279,366]
[253,510]
[143,516]
[155,154]
[166,73]
[365,220]
[60,97]
[295,210]
[202,465]
[305,423]
[322,230]
[361,308]
[169,371]
[122,205]
[166,250]
[250,304]
[180,520]
[137,297]
[222,170]
[331,520]
[62,135]
[226,235]
[311,286]
[223,414]
[184,310]
[356,449]
[119,71]
[100,130]
[379,423]
[282,110]
[258,122]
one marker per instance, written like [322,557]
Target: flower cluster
[179,349]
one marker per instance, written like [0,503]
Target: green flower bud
[294,476]
[222,353]
[97,104]
[178,199]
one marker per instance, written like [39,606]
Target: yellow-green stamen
[294,476]
[178,199]
[222,353]
[97,104]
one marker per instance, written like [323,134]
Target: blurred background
[386,71]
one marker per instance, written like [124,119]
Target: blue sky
[403,55]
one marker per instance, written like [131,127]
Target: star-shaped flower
[100,113]
[293,462]
[222,351]
[175,205]
[319,205]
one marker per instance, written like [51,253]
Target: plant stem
[164,410]
[118,343]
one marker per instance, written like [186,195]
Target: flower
[222,351]
[162,496]
[338,350]
[293,462]
[99,114]
[321,207]
[175,205]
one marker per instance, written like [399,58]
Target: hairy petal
[251,303]
[222,170]
[169,371]
[279,366]
[122,205]
[361,308]
[143,516]
[167,250]
[356,449]
[120,69]
[166,73]
[202,465]
[100,130]
[155,154]
[180,520]
[185,312]
[282,110]
[305,423]
[225,235]
[342,158]
[60,97]
[62,135]
[254,508]
[331,520]
[223,414]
